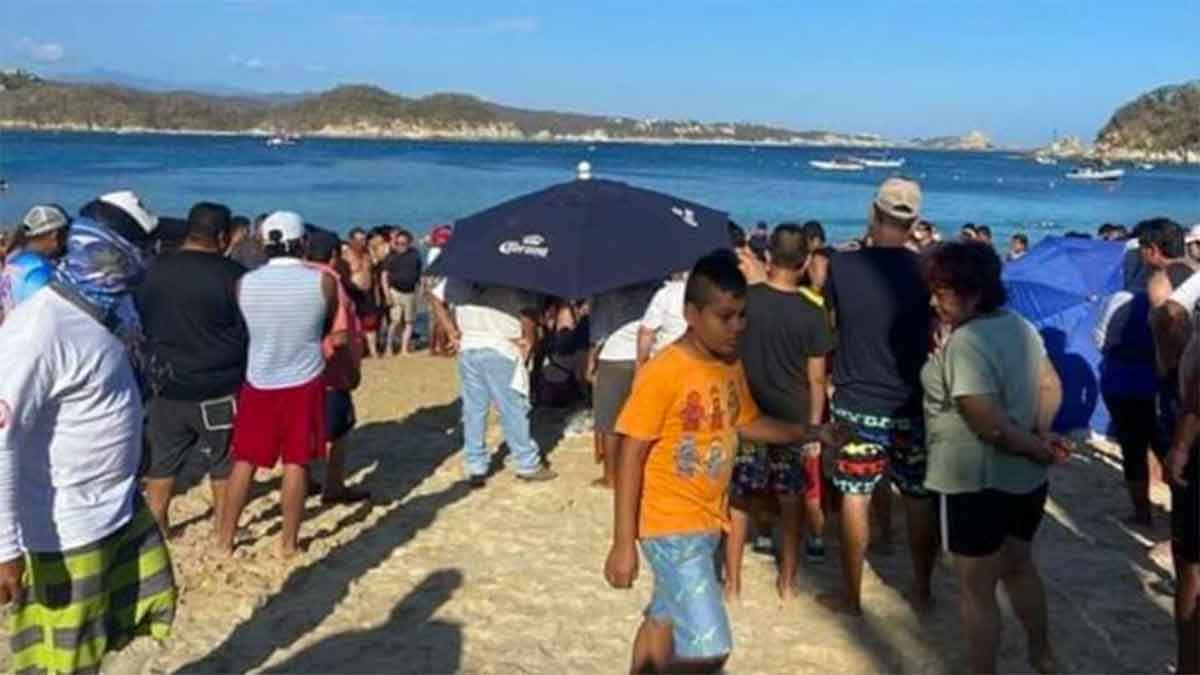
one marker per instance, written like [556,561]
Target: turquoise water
[343,183]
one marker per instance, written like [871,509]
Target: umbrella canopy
[578,239]
[1061,286]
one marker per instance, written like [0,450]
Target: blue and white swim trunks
[688,596]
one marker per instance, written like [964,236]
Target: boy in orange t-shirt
[681,426]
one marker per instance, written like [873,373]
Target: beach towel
[82,603]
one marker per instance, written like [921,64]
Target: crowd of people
[135,346]
[776,383]
[937,391]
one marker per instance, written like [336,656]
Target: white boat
[880,162]
[837,164]
[1090,172]
[1145,166]
[1045,160]
[282,139]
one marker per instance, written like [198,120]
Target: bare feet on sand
[285,552]
[733,589]
[785,589]
[838,604]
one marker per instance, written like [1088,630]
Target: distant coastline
[32,103]
[833,141]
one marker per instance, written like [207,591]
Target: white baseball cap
[288,224]
[130,203]
[43,219]
[1193,234]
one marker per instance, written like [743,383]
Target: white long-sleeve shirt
[70,429]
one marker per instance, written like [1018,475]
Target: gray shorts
[614,381]
[403,306]
[176,430]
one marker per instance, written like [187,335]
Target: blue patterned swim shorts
[688,596]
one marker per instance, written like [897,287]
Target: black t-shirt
[404,270]
[195,333]
[783,331]
[883,318]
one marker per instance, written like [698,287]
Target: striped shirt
[285,312]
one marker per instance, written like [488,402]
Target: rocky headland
[1161,126]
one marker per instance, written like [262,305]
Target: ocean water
[343,183]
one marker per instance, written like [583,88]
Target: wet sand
[433,577]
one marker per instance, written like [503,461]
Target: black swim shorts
[975,524]
[339,414]
[1185,513]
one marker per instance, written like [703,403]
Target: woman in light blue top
[990,396]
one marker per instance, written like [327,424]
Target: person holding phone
[197,349]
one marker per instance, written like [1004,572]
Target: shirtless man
[363,284]
[1174,292]
[378,246]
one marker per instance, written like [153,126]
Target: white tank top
[285,314]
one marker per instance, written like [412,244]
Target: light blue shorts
[688,596]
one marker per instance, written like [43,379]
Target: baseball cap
[131,204]
[43,219]
[288,224]
[440,236]
[1193,234]
[900,198]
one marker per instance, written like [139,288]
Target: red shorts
[812,471]
[280,423]
[370,321]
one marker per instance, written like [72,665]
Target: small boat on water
[837,164]
[1045,160]
[279,140]
[1095,172]
[1145,166]
[880,162]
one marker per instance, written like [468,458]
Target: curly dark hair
[968,269]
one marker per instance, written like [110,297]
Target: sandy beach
[435,578]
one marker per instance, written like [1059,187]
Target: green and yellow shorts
[80,604]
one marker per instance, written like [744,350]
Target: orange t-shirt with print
[690,409]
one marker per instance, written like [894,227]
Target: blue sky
[1018,71]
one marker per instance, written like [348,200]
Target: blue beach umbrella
[1061,286]
[581,238]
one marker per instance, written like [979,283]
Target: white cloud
[250,63]
[40,52]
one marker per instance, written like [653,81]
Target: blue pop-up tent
[1061,286]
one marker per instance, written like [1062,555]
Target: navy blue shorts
[339,414]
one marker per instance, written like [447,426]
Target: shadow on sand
[311,593]
[429,645]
